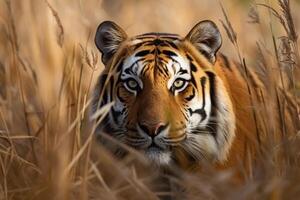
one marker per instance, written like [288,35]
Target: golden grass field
[49,65]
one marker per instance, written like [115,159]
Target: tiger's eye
[132,84]
[178,83]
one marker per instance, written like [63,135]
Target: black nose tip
[153,129]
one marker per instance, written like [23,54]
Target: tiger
[177,100]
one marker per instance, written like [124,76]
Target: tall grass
[49,66]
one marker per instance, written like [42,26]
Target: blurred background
[49,65]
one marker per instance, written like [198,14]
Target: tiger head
[167,100]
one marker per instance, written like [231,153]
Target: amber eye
[131,84]
[179,83]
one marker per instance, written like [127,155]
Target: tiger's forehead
[158,54]
[162,36]
[155,39]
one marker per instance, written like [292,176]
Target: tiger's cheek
[198,103]
[184,98]
[124,96]
[187,95]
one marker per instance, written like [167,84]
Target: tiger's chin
[158,156]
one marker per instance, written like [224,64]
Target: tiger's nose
[153,129]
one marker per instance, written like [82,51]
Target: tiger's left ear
[108,38]
[206,37]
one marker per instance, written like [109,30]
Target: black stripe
[115,114]
[172,44]
[226,61]
[145,69]
[101,83]
[193,67]
[193,81]
[203,81]
[129,69]
[138,45]
[111,81]
[102,80]
[189,57]
[145,37]
[182,71]
[170,37]
[161,70]
[212,125]
[104,99]
[199,112]
[157,42]
[184,114]
[191,96]
[169,53]
[164,67]
[211,78]
[142,53]
[155,34]
[120,65]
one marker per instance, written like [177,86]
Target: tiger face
[167,100]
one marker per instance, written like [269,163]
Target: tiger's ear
[108,38]
[206,37]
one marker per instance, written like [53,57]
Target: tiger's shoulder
[261,114]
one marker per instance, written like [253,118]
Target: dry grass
[49,64]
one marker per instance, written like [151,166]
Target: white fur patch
[213,146]
[159,157]
[225,121]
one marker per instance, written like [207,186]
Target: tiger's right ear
[108,38]
[206,37]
